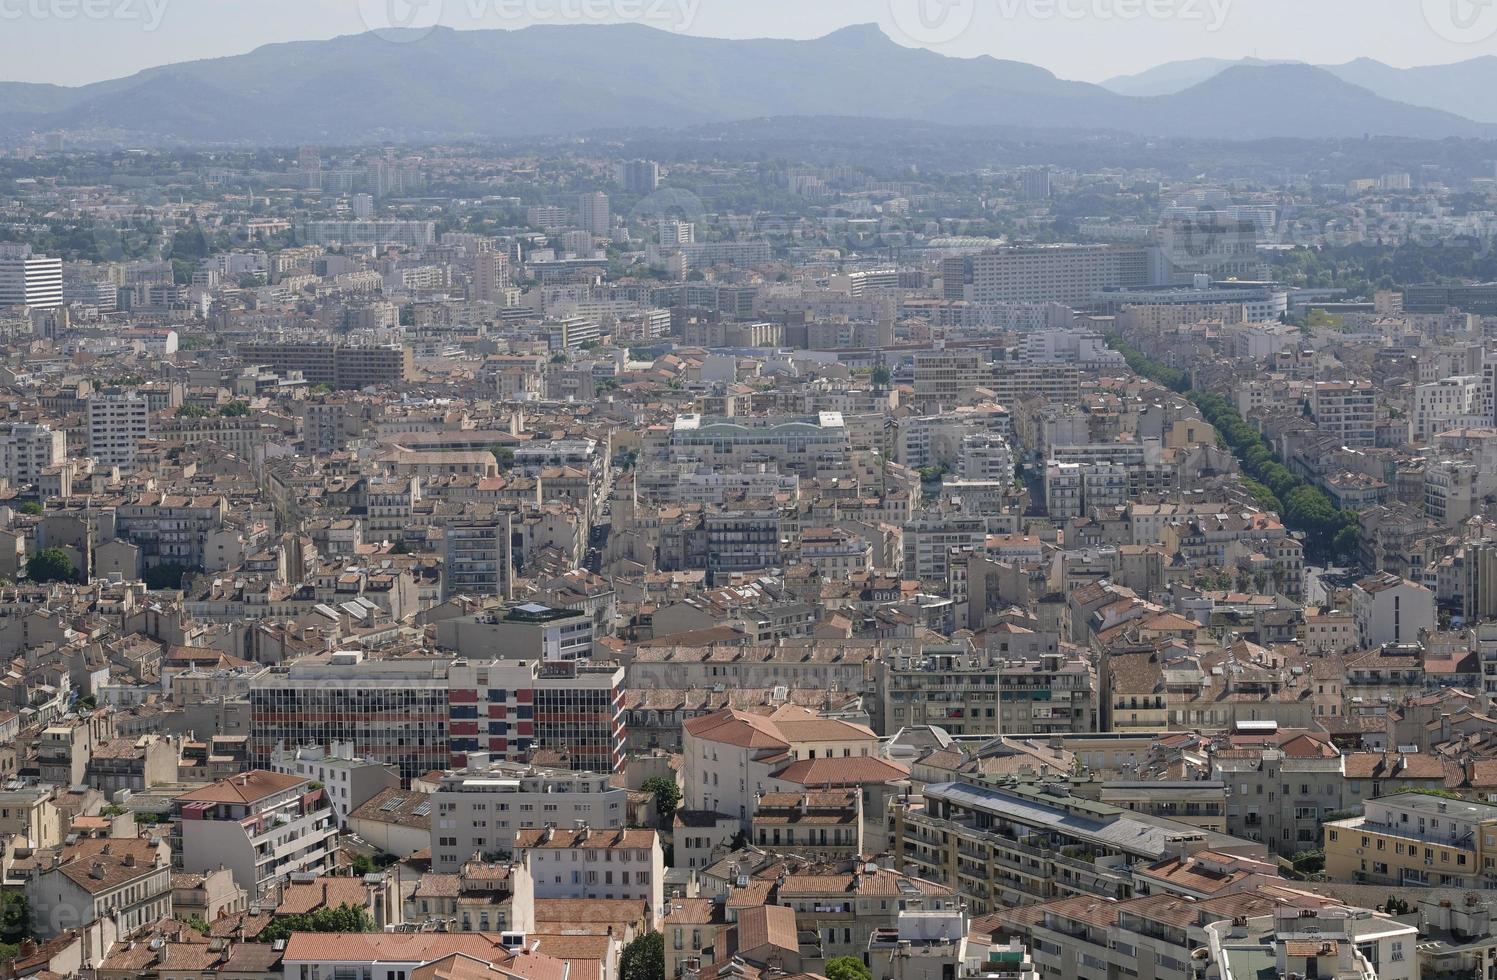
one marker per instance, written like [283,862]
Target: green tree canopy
[847,968]
[51,565]
[344,918]
[167,575]
[667,796]
[644,958]
[15,918]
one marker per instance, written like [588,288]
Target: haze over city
[706,490]
[67,43]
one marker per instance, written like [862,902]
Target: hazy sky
[77,41]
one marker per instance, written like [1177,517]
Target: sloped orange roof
[852,771]
[738,728]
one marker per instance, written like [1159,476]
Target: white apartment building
[986,458]
[1346,410]
[483,808]
[1450,403]
[942,377]
[1075,489]
[1300,941]
[1388,609]
[587,863]
[835,553]
[729,756]
[30,280]
[491,280]
[548,217]
[348,780]
[476,558]
[117,423]
[1453,489]
[27,450]
[1068,274]
[796,444]
[742,253]
[674,233]
[593,213]
[928,543]
[126,880]
[263,826]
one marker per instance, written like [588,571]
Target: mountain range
[562,80]
[1461,88]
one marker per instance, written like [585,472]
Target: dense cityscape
[808,547]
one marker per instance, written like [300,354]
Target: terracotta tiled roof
[249,787]
[739,728]
[301,898]
[418,947]
[462,966]
[856,770]
[767,925]
[586,839]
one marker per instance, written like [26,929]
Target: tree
[881,377]
[15,918]
[1309,862]
[51,565]
[362,864]
[31,508]
[1397,906]
[847,968]
[344,918]
[167,575]
[192,412]
[234,410]
[667,796]
[644,958]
